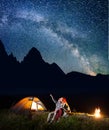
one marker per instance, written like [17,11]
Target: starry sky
[71,33]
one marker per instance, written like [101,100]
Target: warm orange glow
[97,113]
[92,73]
[40,107]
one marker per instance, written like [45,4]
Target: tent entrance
[33,106]
[36,106]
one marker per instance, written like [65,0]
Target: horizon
[33,72]
[93,74]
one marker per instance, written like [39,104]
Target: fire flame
[97,113]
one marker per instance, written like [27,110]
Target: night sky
[71,33]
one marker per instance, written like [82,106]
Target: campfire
[97,113]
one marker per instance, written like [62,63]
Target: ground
[37,121]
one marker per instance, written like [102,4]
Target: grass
[12,121]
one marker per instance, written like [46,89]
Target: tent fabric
[29,104]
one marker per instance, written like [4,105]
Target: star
[73,34]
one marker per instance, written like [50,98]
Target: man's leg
[50,116]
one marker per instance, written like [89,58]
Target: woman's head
[62,100]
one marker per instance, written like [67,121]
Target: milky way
[71,33]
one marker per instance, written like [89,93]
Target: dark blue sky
[71,33]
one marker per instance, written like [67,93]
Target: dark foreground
[37,121]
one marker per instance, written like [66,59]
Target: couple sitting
[62,109]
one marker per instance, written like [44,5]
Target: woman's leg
[58,114]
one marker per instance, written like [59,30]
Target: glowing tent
[29,104]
